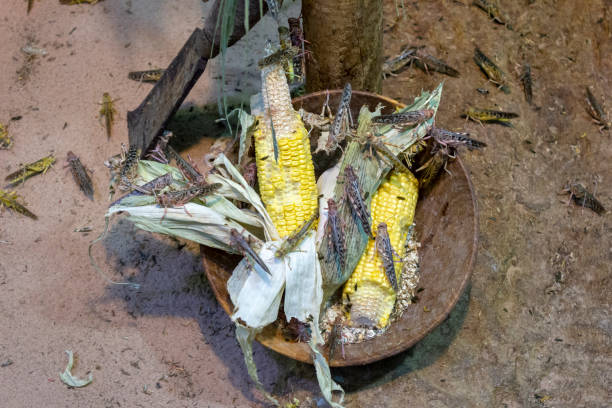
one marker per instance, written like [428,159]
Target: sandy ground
[532,330]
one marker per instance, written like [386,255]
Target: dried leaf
[70,380]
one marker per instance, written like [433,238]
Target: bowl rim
[268,341]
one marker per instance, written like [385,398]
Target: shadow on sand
[173,284]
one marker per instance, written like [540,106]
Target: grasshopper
[490,116]
[381,148]
[189,170]
[352,193]
[240,243]
[292,241]
[493,11]
[582,197]
[527,83]
[428,63]
[79,173]
[405,118]
[386,252]
[596,111]
[152,187]
[151,75]
[343,119]
[279,57]
[29,170]
[396,64]
[492,71]
[5,139]
[181,197]
[129,166]
[8,199]
[447,138]
[158,152]
[334,229]
[108,111]
[335,338]
[432,168]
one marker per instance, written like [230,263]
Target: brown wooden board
[147,121]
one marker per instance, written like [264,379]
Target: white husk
[70,380]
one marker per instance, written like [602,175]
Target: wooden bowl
[447,227]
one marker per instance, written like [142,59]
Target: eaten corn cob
[368,289]
[287,186]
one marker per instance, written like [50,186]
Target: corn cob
[287,185]
[368,289]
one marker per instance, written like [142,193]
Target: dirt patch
[533,330]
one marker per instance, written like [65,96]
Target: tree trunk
[345,40]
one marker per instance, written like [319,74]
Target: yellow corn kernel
[288,187]
[371,296]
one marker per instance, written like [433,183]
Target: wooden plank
[147,121]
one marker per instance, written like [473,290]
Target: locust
[152,187]
[29,170]
[492,71]
[597,112]
[382,148]
[238,241]
[343,119]
[398,63]
[129,165]
[429,63]
[293,240]
[445,146]
[151,75]
[5,139]
[335,338]
[296,330]
[296,34]
[414,55]
[79,173]
[279,57]
[158,152]
[122,168]
[181,197]
[8,199]
[352,193]
[336,238]
[453,140]
[190,171]
[410,118]
[108,111]
[490,116]
[249,172]
[527,83]
[289,63]
[432,167]
[386,252]
[582,197]
[493,11]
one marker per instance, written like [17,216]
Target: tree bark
[345,40]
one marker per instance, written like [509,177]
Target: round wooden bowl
[447,227]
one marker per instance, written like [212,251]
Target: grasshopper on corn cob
[287,185]
[368,289]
